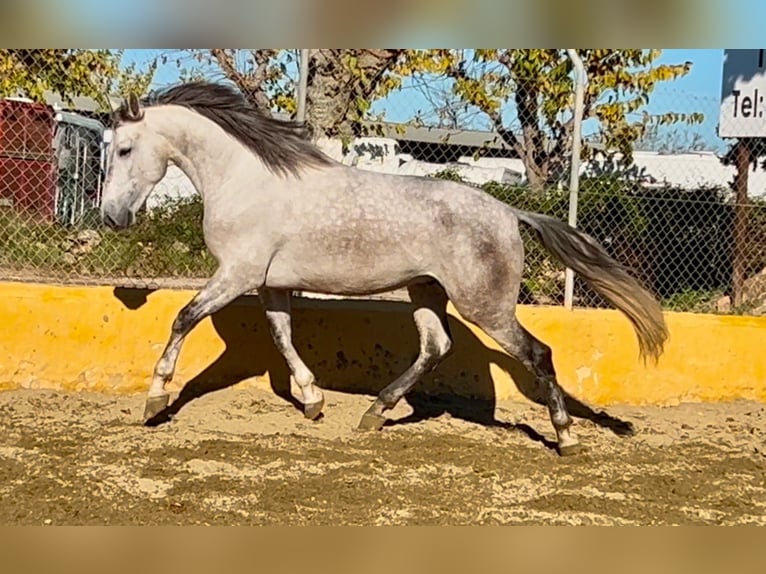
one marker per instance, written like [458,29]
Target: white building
[397,154]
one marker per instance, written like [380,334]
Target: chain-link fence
[52,170]
[656,194]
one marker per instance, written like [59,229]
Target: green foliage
[677,241]
[539,82]
[131,80]
[176,220]
[166,242]
[692,301]
[344,84]
[672,141]
[449,174]
[70,73]
[260,74]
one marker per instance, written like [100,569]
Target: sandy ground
[243,456]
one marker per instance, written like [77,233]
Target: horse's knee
[440,346]
[183,321]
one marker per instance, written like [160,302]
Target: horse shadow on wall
[360,347]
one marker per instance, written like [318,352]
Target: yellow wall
[105,339]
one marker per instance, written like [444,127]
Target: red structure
[28,165]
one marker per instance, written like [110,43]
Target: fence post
[574,175]
[742,163]
[300,96]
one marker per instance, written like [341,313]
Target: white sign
[743,94]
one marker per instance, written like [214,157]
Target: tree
[69,73]
[261,75]
[447,109]
[671,141]
[130,80]
[539,82]
[342,84]
[743,154]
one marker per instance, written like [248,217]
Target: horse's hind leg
[537,357]
[430,313]
[276,304]
[484,290]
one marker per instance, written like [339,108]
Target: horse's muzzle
[117,218]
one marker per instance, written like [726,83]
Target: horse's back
[346,230]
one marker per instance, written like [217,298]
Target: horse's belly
[342,274]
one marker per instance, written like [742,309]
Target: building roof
[441,136]
[79,103]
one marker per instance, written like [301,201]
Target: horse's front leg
[276,304]
[222,289]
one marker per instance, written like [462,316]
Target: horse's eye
[124,152]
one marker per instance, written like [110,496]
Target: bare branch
[251,85]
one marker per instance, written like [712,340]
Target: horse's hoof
[371,421]
[154,406]
[571,449]
[313,410]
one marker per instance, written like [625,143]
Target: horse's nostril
[109,221]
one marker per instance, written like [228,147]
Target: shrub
[166,242]
[677,241]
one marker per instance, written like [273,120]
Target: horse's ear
[135,112]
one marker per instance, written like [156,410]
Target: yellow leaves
[491,80]
[70,73]
[351,61]
[611,112]
[666,73]
[387,84]
[475,92]
[673,118]
[637,102]
[285,102]
[484,55]
[130,80]
[436,62]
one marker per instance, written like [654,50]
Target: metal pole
[300,96]
[574,175]
[742,161]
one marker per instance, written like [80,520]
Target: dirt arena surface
[244,456]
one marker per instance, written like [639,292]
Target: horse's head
[138,160]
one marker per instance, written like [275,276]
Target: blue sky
[699,91]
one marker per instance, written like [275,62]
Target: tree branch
[251,85]
[456,71]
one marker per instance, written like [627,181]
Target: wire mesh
[659,199]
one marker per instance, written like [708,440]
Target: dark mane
[284,146]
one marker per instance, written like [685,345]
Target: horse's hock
[100,339]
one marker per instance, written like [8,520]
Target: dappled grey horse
[280,216]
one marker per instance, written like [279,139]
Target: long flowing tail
[582,253]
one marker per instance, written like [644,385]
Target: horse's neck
[203,151]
